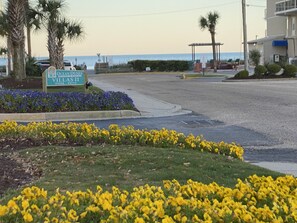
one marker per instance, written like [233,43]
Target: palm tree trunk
[9,54]
[51,44]
[16,20]
[60,55]
[213,41]
[28,29]
[29,42]
[19,62]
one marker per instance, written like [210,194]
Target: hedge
[160,65]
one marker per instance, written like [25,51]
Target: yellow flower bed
[257,199]
[88,133]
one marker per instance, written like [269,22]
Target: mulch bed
[15,172]
[28,83]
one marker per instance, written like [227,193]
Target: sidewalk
[147,106]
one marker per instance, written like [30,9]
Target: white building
[280,40]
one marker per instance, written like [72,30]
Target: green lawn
[79,168]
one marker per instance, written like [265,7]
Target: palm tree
[67,30]
[52,11]
[16,21]
[33,21]
[210,22]
[4,32]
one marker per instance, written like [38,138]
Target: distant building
[280,41]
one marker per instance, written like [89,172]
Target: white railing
[286,5]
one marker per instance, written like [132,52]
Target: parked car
[68,65]
[44,64]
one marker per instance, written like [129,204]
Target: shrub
[160,65]
[273,68]
[290,70]
[17,101]
[32,69]
[242,74]
[255,56]
[260,70]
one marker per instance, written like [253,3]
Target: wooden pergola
[218,49]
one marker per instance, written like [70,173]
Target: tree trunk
[60,55]
[9,54]
[29,42]
[27,6]
[52,44]
[19,62]
[213,41]
[16,20]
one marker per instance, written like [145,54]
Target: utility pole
[244,35]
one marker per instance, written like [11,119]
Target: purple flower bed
[18,101]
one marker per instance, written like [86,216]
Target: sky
[117,27]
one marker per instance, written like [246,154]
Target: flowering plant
[18,101]
[257,199]
[82,133]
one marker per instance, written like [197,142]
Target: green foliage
[260,70]
[114,162]
[290,70]
[242,74]
[160,65]
[32,69]
[255,56]
[273,68]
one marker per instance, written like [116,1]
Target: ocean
[123,59]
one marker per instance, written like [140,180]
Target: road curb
[259,80]
[68,116]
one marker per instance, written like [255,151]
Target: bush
[255,56]
[273,68]
[242,74]
[32,69]
[260,70]
[17,101]
[160,65]
[290,70]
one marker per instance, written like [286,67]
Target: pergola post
[218,49]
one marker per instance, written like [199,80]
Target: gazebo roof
[205,44]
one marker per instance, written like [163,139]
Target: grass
[79,168]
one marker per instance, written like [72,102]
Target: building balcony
[286,7]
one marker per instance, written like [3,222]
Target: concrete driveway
[267,108]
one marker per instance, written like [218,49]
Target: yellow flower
[3,210]
[84,214]
[139,220]
[27,217]
[72,216]
[167,219]
[25,204]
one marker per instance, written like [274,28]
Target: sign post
[55,78]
